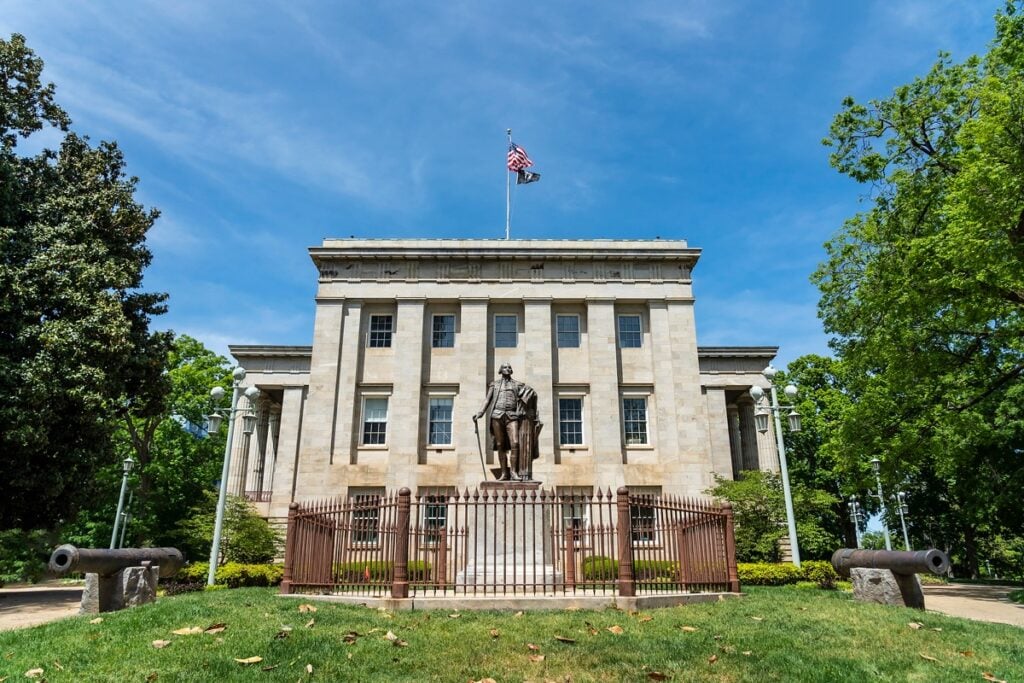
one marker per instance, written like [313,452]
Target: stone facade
[408,334]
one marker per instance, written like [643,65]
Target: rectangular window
[381,327]
[568,327]
[365,505]
[630,332]
[506,331]
[443,332]
[576,511]
[435,518]
[439,431]
[634,420]
[375,421]
[570,421]
[642,517]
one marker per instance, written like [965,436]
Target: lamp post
[213,425]
[855,517]
[126,467]
[876,465]
[761,419]
[901,505]
[126,517]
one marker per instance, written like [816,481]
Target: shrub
[649,570]
[23,555]
[231,575]
[821,573]
[247,537]
[768,574]
[600,568]
[379,570]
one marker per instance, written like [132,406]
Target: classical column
[404,435]
[346,396]
[606,443]
[735,442]
[748,433]
[718,432]
[255,477]
[270,463]
[287,465]
[539,373]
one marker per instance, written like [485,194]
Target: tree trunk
[971,551]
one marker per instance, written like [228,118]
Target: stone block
[886,588]
[138,585]
[127,588]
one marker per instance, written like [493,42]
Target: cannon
[67,559]
[115,579]
[878,575]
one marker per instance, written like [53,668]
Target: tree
[176,463]
[76,352]
[924,291]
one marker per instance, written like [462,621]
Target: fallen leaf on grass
[249,660]
[57,666]
[494,633]
[688,629]
[395,640]
[646,617]
[309,624]
[215,628]
[748,652]
[532,648]
[486,680]
[159,644]
[968,653]
[350,637]
[590,628]
[33,673]
[282,634]
[937,629]
[306,607]
[927,658]
[309,668]
[536,658]
[97,620]
[915,625]
[802,609]
[517,614]
[657,676]
[757,618]
[269,668]
[989,677]
[712,659]
[454,616]
[188,631]
[572,609]
[563,639]
[616,629]
[149,679]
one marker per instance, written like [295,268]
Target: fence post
[570,557]
[289,550]
[730,548]
[400,578]
[627,583]
[684,560]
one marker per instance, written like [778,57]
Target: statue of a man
[512,407]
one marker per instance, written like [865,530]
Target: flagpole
[508,191]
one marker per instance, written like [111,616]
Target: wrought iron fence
[509,540]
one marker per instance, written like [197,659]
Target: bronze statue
[514,425]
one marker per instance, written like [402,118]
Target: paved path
[982,603]
[31,605]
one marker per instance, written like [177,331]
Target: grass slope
[786,634]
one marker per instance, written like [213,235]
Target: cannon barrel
[896,561]
[67,558]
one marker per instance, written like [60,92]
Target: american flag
[517,159]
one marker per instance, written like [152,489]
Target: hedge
[233,574]
[378,570]
[769,574]
[601,568]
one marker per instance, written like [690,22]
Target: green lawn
[788,634]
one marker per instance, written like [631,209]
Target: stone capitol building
[409,333]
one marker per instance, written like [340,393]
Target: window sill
[374,447]
[640,447]
[440,447]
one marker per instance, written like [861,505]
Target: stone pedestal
[512,544]
[129,587]
[885,587]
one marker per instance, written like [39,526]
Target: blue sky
[260,128]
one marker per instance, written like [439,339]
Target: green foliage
[24,555]
[1017,596]
[233,574]
[379,570]
[820,572]
[768,573]
[76,352]
[760,514]
[600,568]
[924,294]
[246,537]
